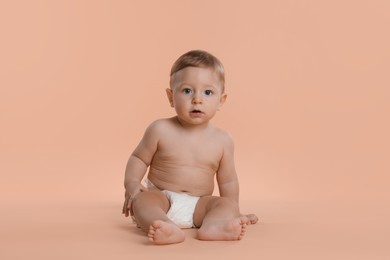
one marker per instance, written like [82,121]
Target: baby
[183,154]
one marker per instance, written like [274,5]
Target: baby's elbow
[232,181]
[138,157]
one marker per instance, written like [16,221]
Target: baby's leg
[219,219]
[150,213]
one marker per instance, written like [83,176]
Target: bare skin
[184,154]
[161,232]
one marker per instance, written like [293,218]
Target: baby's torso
[186,162]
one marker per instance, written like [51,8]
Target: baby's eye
[187,91]
[208,92]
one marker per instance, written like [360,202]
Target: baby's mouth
[196,111]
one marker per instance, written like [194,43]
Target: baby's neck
[191,127]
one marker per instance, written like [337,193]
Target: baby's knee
[141,198]
[150,198]
[136,202]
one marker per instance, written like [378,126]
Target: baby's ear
[222,100]
[170,96]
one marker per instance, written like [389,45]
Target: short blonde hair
[202,59]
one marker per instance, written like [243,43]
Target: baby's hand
[127,210]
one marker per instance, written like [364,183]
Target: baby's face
[196,94]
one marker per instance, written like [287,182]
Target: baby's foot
[163,233]
[224,230]
[251,217]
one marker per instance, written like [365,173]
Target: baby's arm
[137,165]
[227,177]
[226,174]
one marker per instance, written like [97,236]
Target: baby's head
[199,59]
[196,87]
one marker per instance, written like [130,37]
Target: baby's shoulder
[160,126]
[223,136]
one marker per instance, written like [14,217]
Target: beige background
[308,105]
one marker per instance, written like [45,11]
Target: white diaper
[182,207]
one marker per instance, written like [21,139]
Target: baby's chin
[197,120]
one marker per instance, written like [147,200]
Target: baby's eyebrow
[184,84]
[211,87]
[181,86]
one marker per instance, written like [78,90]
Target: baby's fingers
[129,209]
[125,209]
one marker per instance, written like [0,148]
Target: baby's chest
[192,153]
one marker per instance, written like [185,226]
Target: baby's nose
[196,100]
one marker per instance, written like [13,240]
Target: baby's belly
[196,182]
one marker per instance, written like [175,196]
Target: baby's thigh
[151,198]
